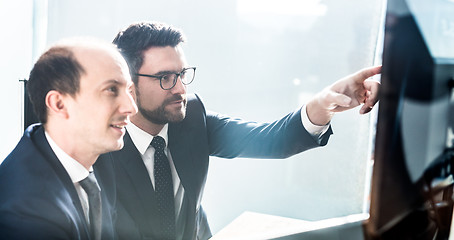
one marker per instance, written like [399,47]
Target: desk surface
[251,226]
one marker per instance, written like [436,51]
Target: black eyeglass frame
[177,75]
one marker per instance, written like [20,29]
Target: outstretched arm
[344,94]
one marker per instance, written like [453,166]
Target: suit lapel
[131,160]
[181,156]
[188,145]
[185,141]
[105,176]
[182,159]
[41,143]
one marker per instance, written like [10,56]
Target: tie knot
[158,143]
[90,185]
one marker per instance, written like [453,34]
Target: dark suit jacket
[38,199]
[200,135]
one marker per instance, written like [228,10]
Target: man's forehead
[92,55]
[164,58]
[103,63]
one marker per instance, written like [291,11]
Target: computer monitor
[411,190]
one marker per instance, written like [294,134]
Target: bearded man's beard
[161,115]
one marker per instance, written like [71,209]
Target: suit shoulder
[27,167]
[194,98]
[195,106]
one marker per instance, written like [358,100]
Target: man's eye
[113,89]
[167,78]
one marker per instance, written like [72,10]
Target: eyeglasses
[168,81]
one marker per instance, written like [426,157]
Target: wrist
[317,114]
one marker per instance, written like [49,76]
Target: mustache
[175,98]
[122,119]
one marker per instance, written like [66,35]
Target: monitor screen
[411,166]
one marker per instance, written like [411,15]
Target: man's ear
[55,102]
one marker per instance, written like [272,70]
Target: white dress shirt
[76,172]
[315,130]
[142,140]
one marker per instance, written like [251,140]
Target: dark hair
[139,37]
[57,69]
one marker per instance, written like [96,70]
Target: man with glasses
[162,169]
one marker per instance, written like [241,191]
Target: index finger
[366,73]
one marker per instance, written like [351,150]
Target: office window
[259,60]
[275,57]
[16,44]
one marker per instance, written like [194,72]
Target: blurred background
[255,59]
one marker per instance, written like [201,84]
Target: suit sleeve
[231,137]
[28,225]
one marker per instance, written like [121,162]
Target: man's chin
[118,145]
[176,115]
[174,118]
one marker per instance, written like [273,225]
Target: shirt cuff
[315,130]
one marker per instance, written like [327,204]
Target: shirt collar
[142,139]
[75,170]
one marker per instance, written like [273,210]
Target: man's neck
[71,148]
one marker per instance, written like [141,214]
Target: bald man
[80,91]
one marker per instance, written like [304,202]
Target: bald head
[60,68]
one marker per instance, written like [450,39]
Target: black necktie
[164,189]
[91,187]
